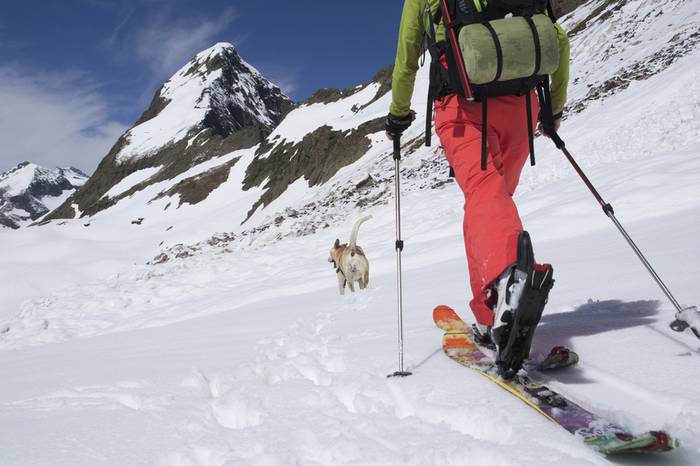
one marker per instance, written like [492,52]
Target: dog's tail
[355,229]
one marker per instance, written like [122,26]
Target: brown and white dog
[350,261]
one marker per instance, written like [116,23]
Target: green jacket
[414,24]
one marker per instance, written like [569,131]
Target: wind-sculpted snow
[239,341]
[194,338]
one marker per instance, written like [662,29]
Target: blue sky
[75,74]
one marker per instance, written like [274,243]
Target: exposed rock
[235,108]
[563,7]
[27,189]
[197,188]
[316,158]
[684,41]
[330,95]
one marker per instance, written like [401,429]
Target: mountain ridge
[29,191]
[215,104]
[309,150]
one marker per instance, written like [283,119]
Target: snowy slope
[207,359]
[237,349]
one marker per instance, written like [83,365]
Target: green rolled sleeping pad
[517,43]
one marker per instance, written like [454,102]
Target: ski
[596,432]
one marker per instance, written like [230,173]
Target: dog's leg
[341,283]
[351,285]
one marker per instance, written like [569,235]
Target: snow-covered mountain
[28,192]
[204,326]
[215,104]
[180,153]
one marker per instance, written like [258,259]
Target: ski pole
[399,248]
[688,317]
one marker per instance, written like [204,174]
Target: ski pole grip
[397,147]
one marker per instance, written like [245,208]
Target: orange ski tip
[444,313]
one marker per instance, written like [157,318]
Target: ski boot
[521,293]
[482,336]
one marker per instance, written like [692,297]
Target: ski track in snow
[304,370]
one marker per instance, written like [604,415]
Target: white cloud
[53,119]
[166,44]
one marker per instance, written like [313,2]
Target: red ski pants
[491,220]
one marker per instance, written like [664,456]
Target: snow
[26,180]
[189,94]
[346,114]
[244,353]
[16,181]
[132,180]
[187,107]
[52,202]
[338,115]
[75,177]
[221,352]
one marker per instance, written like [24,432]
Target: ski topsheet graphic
[600,434]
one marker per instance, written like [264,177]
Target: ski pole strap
[550,11]
[432,35]
[546,116]
[435,58]
[530,135]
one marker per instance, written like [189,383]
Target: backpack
[493,48]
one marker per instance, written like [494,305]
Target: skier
[509,290]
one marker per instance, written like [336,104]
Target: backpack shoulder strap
[550,11]
[432,33]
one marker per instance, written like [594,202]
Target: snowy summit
[213,105]
[217,84]
[29,191]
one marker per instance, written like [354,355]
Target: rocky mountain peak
[29,191]
[215,90]
[215,104]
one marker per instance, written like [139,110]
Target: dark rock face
[242,108]
[253,99]
[321,153]
[197,188]
[25,188]
[563,7]
[329,95]
[316,158]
